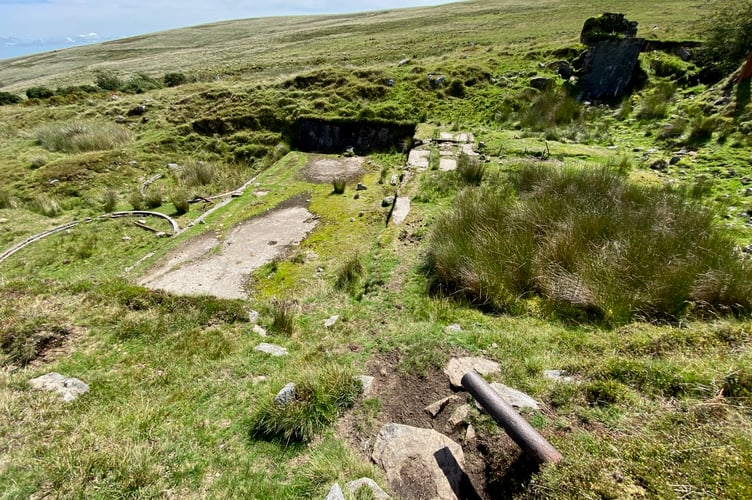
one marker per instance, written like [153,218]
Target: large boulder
[610,67]
[421,463]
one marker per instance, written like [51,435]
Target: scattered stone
[418,158]
[746,181]
[137,110]
[285,395]
[258,379]
[401,209]
[356,196]
[335,493]
[366,482]
[748,192]
[69,388]
[133,163]
[367,382]
[361,187]
[388,201]
[470,433]
[253,316]
[455,328]
[437,407]
[331,321]
[540,83]
[558,375]
[458,417]
[259,330]
[119,119]
[420,463]
[659,165]
[674,160]
[403,62]
[722,101]
[126,238]
[390,82]
[272,349]
[352,219]
[394,180]
[458,367]
[447,164]
[514,397]
[173,166]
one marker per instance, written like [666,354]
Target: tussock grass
[283,313]
[589,244]
[471,170]
[46,205]
[198,173]
[338,185]
[153,197]
[320,395]
[24,339]
[136,200]
[80,136]
[109,199]
[7,199]
[349,274]
[180,198]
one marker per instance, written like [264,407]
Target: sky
[30,26]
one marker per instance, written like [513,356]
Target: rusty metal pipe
[506,416]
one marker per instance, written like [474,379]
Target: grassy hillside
[181,402]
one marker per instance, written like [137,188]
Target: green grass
[590,245]
[180,401]
[80,136]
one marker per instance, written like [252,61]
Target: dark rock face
[335,136]
[609,68]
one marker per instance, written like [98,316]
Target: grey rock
[335,493]
[259,330]
[366,482]
[137,110]
[558,376]
[659,165]
[458,416]
[389,82]
[361,187]
[455,328]
[514,397]
[173,166]
[394,180]
[401,210]
[403,62]
[367,382]
[540,83]
[674,160]
[272,349]
[420,462]
[387,202]
[253,316]
[456,368]
[119,119]
[285,395]
[748,192]
[331,321]
[69,388]
[470,433]
[438,406]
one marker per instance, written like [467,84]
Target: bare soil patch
[207,265]
[322,170]
[493,462]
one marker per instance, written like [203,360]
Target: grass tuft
[283,314]
[338,185]
[591,245]
[81,136]
[109,200]
[320,395]
[471,170]
[46,205]
[7,199]
[198,173]
[349,274]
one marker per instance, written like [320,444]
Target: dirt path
[208,266]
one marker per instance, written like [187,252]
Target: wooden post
[506,416]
